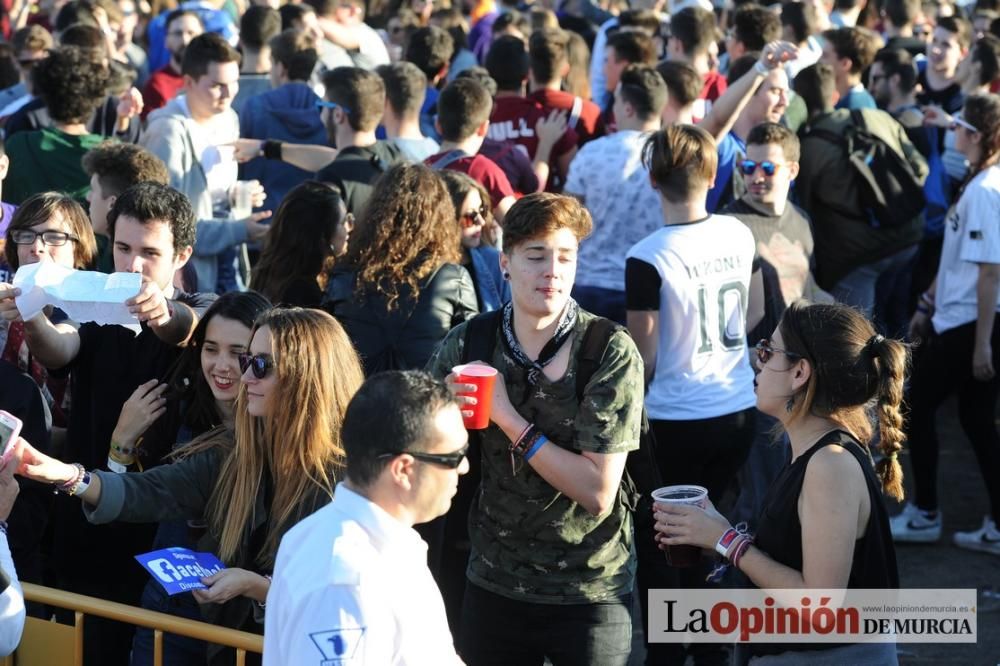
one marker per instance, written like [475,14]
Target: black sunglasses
[449,460]
[260,363]
[748,167]
[765,351]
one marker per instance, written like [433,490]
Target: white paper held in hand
[83,295]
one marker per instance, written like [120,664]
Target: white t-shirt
[700,289]
[351,586]
[609,175]
[971,237]
[216,158]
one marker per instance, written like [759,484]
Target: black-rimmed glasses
[258,363]
[28,237]
[449,460]
[765,351]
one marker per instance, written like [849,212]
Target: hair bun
[874,341]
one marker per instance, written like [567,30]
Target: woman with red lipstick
[251,482]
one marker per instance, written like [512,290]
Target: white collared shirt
[351,586]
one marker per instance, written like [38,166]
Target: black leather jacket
[404,338]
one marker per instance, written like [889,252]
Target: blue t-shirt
[730,149]
[857,98]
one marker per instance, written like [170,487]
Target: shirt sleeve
[980,242]
[610,413]
[495,182]
[575,179]
[642,285]
[12,611]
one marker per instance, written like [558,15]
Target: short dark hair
[75,12]
[205,49]
[681,159]
[802,18]
[683,82]
[815,85]
[898,62]
[153,202]
[296,51]
[464,105]
[633,46]
[33,38]
[957,25]
[178,13]
[644,20]
[430,49]
[82,35]
[119,166]
[543,213]
[548,52]
[694,28]
[291,13]
[740,66]
[857,44]
[73,82]
[258,25]
[405,87]
[511,19]
[507,62]
[766,134]
[481,76]
[986,51]
[901,12]
[643,88]
[358,90]
[370,431]
[755,26]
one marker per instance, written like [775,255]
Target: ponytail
[890,360]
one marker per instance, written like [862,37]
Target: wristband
[521,445]
[78,483]
[271,150]
[923,308]
[726,541]
[539,443]
[741,551]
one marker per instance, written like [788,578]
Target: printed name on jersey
[703,269]
[504,130]
[337,646]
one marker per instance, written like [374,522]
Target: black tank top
[779,532]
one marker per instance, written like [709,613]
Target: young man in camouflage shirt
[551,569]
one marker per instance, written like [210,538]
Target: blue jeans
[500,631]
[601,302]
[881,289]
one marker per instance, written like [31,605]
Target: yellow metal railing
[48,643]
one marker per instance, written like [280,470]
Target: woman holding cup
[823,524]
[551,567]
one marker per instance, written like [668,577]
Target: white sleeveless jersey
[702,366]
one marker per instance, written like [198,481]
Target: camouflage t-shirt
[529,541]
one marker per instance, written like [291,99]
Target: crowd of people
[750,248]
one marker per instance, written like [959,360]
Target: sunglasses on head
[748,167]
[258,363]
[449,460]
[957,121]
[323,104]
[765,351]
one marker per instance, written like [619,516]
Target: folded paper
[85,296]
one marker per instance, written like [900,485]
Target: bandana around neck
[567,321]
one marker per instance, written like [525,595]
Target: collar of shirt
[387,533]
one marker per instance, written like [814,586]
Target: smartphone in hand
[10,428]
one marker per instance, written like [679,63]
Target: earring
[506,275]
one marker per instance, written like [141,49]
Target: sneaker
[913,526]
[986,539]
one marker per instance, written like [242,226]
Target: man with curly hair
[73,82]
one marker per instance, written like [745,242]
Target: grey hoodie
[168,138]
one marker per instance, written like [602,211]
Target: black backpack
[642,476]
[891,193]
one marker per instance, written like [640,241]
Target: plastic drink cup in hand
[242,200]
[483,376]
[682,556]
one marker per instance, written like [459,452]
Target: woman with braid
[956,322]
[823,525]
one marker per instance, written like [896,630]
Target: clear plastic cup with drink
[682,556]
[242,206]
[483,376]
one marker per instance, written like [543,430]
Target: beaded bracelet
[71,486]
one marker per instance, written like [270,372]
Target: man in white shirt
[351,583]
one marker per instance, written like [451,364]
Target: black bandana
[534,368]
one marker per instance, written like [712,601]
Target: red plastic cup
[483,376]
[682,556]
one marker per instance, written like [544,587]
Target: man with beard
[164,84]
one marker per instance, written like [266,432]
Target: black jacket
[355,170]
[406,337]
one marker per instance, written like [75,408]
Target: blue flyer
[180,570]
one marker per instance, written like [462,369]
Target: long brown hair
[983,112]
[405,233]
[298,444]
[853,369]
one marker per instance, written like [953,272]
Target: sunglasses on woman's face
[765,351]
[473,218]
[449,460]
[748,167]
[258,363]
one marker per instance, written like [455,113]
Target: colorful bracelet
[726,541]
[539,442]
[78,484]
[741,551]
[524,441]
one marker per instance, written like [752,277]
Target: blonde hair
[299,443]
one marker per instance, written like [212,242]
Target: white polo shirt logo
[337,645]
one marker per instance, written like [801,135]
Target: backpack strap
[575,112]
[448,159]
[595,342]
[481,337]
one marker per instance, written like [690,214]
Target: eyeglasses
[323,104]
[765,351]
[259,363]
[473,218]
[449,460]
[748,167]
[957,121]
[54,238]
